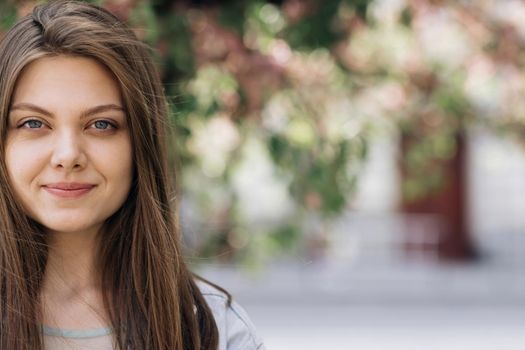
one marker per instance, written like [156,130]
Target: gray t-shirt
[236,331]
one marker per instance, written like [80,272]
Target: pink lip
[68,189]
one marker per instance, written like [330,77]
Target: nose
[68,153]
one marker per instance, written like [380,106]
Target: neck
[71,265]
[71,294]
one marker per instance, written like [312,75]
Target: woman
[89,250]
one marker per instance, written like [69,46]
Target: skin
[67,125]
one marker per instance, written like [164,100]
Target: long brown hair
[150,294]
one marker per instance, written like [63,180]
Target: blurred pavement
[403,305]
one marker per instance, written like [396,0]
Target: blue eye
[33,124]
[102,124]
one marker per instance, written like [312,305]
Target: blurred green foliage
[8,15]
[274,102]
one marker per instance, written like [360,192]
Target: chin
[71,225]
[70,229]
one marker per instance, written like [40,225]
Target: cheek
[115,161]
[24,160]
[122,174]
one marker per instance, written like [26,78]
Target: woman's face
[68,148]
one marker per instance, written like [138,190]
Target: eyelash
[110,125]
[25,124]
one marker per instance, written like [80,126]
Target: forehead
[61,81]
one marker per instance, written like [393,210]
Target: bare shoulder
[236,330]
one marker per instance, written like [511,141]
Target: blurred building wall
[496,196]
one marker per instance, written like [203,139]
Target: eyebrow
[86,113]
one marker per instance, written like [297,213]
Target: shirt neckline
[76,333]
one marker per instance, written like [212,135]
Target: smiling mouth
[68,190]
